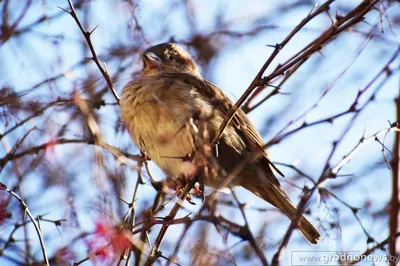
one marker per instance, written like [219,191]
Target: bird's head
[167,57]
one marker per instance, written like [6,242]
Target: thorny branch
[35,224]
[379,245]
[155,252]
[118,154]
[363,141]
[87,34]
[258,80]
[328,172]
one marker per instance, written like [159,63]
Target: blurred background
[341,93]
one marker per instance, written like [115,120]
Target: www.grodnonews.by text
[307,258]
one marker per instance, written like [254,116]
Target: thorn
[276,46]
[353,107]
[105,68]
[388,70]
[365,130]
[189,199]
[124,201]
[313,9]
[94,29]
[63,9]
[273,86]
[339,16]
[330,17]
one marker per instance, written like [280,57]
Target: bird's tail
[277,197]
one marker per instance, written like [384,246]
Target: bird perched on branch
[173,114]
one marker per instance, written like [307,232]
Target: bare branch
[87,34]
[35,224]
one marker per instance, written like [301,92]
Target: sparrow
[172,114]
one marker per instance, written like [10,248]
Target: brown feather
[157,109]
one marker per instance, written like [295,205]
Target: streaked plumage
[157,109]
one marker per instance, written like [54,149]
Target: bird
[172,114]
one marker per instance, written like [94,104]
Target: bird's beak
[151,60]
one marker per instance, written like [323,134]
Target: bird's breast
[157,114]
[159,125]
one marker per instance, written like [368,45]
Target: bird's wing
[240,122]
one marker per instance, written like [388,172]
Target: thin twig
[258,81]
[363,141]
[377,246]
[155,253]
[250,236]
[35,224]
[87,35]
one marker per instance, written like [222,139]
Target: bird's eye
[171,57]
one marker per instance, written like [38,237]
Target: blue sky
[32,57]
